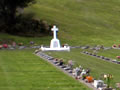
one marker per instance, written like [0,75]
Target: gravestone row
[9,47]
[97,85]
[101,57]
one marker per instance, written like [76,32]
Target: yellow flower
[105,76]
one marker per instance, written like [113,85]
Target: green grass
[112,53]
[81,22]
[25,40]
[97,66]
[22,70]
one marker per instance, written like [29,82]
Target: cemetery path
[61,69]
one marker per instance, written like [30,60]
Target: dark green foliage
[8,9]
[13,22]
[26,26]
[5,40]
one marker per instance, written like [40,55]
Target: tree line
[13,21]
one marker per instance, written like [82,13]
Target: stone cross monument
[55,43]
[54,29]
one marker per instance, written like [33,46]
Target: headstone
[22,47]
[118,85]
[14,44]
[98,83]
[1,46]
[118,62]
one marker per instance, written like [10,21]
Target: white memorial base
[56,49]
[55,43]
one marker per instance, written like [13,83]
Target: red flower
[5,45]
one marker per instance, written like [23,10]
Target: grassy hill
[82,21]
[25,40]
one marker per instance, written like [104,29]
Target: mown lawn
[81,22]
[112,53]
[25,40]
[22,70]
[97,66]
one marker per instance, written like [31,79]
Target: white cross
[54,29]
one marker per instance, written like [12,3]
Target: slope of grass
[25,40]
[112,53]
[82,21]
[97,66]
[21,70]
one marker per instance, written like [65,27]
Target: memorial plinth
[55,43]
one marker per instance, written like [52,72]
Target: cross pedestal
[55,43]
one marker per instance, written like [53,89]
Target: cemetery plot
[102,57]
[68,69]
[21,70]
[96,66]
[104,53]
[112,53]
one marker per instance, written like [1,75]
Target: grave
[118,85]
[98,83]
[55,43]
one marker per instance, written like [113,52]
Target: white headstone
[98,83]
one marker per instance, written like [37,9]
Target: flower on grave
[14,44]
[1,46]
[5,45]
[20,44]
[114,46]
[105,76]
[118,85]
[70,62]
[31,42]
[108,79]
[119,45]
[108,76]
[89,79]
[118,57]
